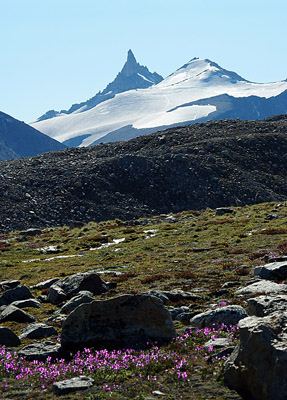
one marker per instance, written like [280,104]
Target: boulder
[31,232]
[41,351]
[72,385]
[272,271]
[123,321]
[264,305]
[56,295]
[179,295]
[9,284]
[174,295]
[229,315]
[18,293]
[184,317]
[74,284]
[45,284]
[223,210]
[174,312]
[12,313]
[83,297]
[29,303]
[37,331]
[8,337]
[262,287]
[257,368]
[217,344]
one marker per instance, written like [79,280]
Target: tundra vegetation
[195,251]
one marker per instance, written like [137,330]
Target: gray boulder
[8,337]
[37,331]
[9,284]
[264,305]
[12,313]
[31,232]
[56,295]
[72,385]
[262,286]
[83,297]
[124,321]
[271,271]
[74,284]
[29,303]
[257,368]
[41,351]
[18,293]
[45,284]
[217,344]
[174,312]
[229,315]
[174,295]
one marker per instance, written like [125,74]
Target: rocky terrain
[179,306]
[223,163]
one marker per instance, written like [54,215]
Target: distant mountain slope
[132,76]
[222,163]
[198,91]
[18,139]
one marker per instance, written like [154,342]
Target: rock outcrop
[228,315]
[66,288]
[258,366]
[120,322]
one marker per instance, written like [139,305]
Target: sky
[54,53]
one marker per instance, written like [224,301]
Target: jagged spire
[131,65]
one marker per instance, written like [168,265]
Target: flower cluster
[173,360]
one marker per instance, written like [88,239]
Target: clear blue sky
[58,52]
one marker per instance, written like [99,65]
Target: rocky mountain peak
[131,65]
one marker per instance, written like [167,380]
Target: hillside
[201,255]
[215,164]
[18,139]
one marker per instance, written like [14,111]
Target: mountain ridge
[18,139]
[191,94]
[132,76]
[212,164]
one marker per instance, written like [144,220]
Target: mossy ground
[193,250]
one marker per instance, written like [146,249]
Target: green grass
[199,252]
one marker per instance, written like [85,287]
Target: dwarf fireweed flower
[174,360]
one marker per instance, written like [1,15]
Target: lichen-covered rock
[41,351]
[72,385]
[72,285]
[37,331]
[262,286]
[18,293]
[123,321]
[271,271]
[229,315]
[257,368]
[12,313]
[29,303]
[264,305]
[83,297]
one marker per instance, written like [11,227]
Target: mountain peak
[131,58]
[131,65]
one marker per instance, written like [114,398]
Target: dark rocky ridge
[222,163]
[18,139]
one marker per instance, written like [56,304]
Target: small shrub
[155,277]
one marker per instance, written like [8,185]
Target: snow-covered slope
[132,76]
[197,91]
